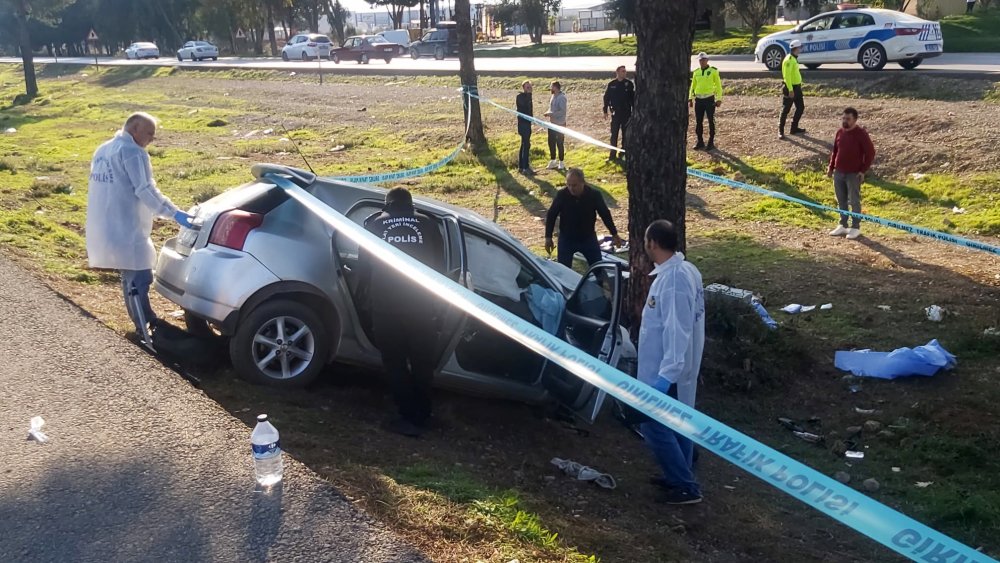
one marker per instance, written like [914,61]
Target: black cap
[261,418]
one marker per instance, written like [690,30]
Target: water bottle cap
[261,418]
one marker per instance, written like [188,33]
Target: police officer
[704,97]
[791,90]
[404,315]
[619,97]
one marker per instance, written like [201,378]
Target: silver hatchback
[262,270]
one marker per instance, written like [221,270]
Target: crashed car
[279,282]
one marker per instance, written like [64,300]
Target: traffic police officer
[705,96]
[619,97]
[403,314]
[791,90]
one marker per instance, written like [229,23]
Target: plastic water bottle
[266,452]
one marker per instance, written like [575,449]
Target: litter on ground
[584,473]
[35,432]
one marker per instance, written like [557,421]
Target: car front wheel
[439,53]
[284,56]
[773,56]
[335,58]
[180,58]
[910,64]
[872,57]
[414,54]
[388,60]
[364,58]
[281,343]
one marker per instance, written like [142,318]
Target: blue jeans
[567,248]
[674,453]
[135,288]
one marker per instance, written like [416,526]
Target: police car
[870,37]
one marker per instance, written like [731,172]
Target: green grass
[734,42]
[978,32]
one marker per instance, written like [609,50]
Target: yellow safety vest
[706,82]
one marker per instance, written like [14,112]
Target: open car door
[591,322]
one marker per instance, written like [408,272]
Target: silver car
[273,277]
[198,51]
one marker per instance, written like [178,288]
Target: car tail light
[232,228]
[908,31]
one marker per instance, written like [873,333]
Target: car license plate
[387,49]
[932,47]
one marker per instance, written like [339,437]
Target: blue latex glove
[664,386]
[183,219]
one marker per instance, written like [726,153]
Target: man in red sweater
[852,156]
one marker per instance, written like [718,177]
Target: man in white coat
[671,342]
[121,204]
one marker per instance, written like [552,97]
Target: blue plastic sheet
[547,306]
[923,360]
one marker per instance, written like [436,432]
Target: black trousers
[786,106]
[704,107]
[409,356]
[619,122]
[524,153]
[556,145]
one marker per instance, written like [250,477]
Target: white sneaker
[853,234]
[839,231]
[553,164]
[561,166]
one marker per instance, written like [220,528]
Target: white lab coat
[672,335]
[121,204]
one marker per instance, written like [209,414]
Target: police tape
[411,172]
[913,229]
[873,519]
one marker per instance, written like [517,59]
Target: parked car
[869,37]
[307,46]
[198,51]
[283,287]
[439,42]
[399,37]
[142,50]
[363,48]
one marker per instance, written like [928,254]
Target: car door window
[820,24]
[850,21]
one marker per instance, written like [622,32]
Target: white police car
[867,36]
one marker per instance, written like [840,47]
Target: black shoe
[781,135]
[798,131]
[699,147]
[710,147]
[679,497]
[405,427]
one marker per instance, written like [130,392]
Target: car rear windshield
[377,39]
[319,38]
[145,45]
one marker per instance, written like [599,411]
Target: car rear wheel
[284,56]
[364,58]
[388,60]
[812,66]
[773,56]
[281,343]
[414,54]
[335,58]
[910,64]
[439,53]
[872,56]
[305,57]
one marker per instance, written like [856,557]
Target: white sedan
[869,37]
[142,50]
[198,51]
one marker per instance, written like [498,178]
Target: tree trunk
[657,132]
[270,30]
[467,73]
[27,57]
[718,19]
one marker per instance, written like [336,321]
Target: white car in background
[198,51]
[307,46]
[869,37]
[142,50]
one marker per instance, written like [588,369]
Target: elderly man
[576,207]
[121,204]
[671,342]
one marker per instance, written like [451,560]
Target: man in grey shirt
[557,116]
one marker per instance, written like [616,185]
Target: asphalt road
[140,466]
[733,66]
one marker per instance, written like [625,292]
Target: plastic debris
[871,485]
[842,477]
[992,331]
[267,131]
[764,316]
[10,130]
[923,484]
[790,424]
[917,176]
[923,360]
[795,308]
[792,309]
[935,313]
[864,411]
[958,210]
[584,473]
[884,307]
[851,454]
[826,306]
[808,437]
[896,469]
[35,432]
[337,148]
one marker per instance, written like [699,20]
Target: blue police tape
[913,229]
[873,519]
[945,237]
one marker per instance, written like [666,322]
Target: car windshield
[427,36]
[566,277]
[377,39]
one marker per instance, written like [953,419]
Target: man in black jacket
[576,207]
[619,98]
[525,106]
[403,314]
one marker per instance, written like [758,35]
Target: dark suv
[438,42]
